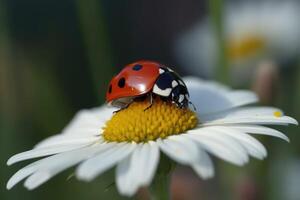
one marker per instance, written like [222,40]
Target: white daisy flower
[133,139]
[253,32]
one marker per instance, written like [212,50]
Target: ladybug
[147,78]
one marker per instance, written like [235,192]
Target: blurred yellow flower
[253,32]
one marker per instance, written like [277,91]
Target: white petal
[255,115]
[37,179]
[210,97]
[181,149]
[138,170]
[253,120]
[204,167]
[253,146]
[103,112]
[92,167]
[151,156]
[62,140]
[195,82]
[255,129]
[83,119]
[88,120]
[22,173]
[123,175]
[61,162]
[221,145]
[50,166]
[252,111]
[86,123]
[35,153]
[242,97]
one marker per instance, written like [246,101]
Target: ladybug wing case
[133,81]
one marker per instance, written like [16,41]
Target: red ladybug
[144,78]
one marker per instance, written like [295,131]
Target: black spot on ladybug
[165,80]
[121,82]
[110,89]
[137,67]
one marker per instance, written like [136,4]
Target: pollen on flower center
[159,121]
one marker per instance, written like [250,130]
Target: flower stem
[216,13]
[97,43]
[160,188]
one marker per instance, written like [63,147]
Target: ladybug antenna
[194,107]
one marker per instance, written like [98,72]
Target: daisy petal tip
[15,158]
[128,193]
[295,122]
[14,180]
[9,185]
[84,176]
[37,179]
[291,120]
[208,175]
[241,163]
[29,187]
[251,97]
[255,97]
[10,161]
[285,138]
[262,157]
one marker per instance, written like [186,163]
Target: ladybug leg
[151,102]
[194,107]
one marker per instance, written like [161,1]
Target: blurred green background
[56,57]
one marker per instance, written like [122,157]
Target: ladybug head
[134,80]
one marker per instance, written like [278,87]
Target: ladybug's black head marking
[121,82]
[137,67]
[171,86]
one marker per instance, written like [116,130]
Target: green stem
[160,187]
[95,38]
[216,13]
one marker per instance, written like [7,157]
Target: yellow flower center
[249,45]
[139,124]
